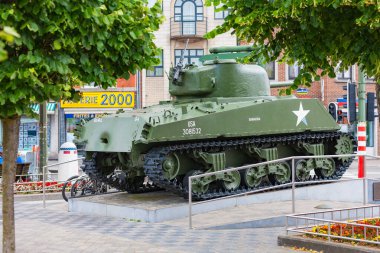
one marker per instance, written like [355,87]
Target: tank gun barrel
[230,49]
[227,52]
[281,84]
[178,68]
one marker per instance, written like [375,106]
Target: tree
[319,35]
[63,44]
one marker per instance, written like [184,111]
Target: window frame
[274,70]
[224,13]
[343,77]
[292,66]
[153,72]
[178,10]
[188,55]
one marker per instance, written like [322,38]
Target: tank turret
[220,76]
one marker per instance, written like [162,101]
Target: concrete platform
[258,210]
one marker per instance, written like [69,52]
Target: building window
[157,70]
[293,71]
[270,67]
[345,75]
[188,12]
[190,56]
[221,14]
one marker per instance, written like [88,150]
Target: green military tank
[222,115]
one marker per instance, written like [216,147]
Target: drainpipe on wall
[322,90]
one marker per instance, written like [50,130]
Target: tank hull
[192,121]
[222,115]
[170,142]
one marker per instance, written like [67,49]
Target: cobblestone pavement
[55,230]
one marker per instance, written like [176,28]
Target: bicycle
[69,182]
[81,186]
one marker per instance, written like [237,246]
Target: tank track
[89,167]
[156,156]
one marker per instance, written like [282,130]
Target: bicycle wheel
[83,186]
[68,183]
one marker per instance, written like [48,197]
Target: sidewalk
[249,215]
[55,230]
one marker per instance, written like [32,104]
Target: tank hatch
[219,76]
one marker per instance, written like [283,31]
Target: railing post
[44,177]
[286,225]
[293,187]
[190,202]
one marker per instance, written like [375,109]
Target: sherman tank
[222,115]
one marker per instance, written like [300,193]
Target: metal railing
[188,27]
[31,182]
[293,182]
[44,177]
[316,224]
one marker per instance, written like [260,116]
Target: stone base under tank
[164,206]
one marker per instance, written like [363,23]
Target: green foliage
[7,35]
[318,34]
[64,43]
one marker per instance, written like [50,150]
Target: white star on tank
[301,115]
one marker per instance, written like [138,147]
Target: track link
[115,181]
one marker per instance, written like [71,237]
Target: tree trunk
[11,128]
[43,140]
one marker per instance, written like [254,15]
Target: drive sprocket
[344,145]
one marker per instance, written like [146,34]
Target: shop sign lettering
[104,99]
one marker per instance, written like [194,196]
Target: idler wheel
[282,174]
[231,180]
[327,170]
[302,173]
[170,166]
[197,185]
[251,176]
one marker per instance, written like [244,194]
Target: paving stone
[55,230]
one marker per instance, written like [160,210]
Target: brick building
[190,20]
[330,90]
[186,20]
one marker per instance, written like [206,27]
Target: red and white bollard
[362,147]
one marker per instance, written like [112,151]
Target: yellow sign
[103,99]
